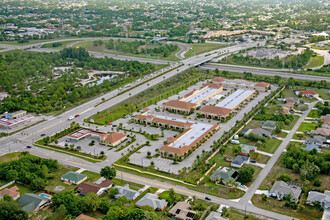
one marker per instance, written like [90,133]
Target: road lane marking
[57,158]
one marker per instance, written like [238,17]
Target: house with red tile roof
[12,192]
[306,93]
[98,189]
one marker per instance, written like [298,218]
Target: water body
[102,78]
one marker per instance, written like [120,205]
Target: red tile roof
[218,79]
[216,110]
[180,104]
[262,84]
[12,192]
[213,85]
[307,92]
[114,137]
[84,217]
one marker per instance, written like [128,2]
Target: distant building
[31,202]
[242,84]
[181,211]
[239,161]
[12,192]
[15,115]
[224,175]
[281,189]
[306,93]
[73,177]
[152,201]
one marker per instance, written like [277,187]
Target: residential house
[291,100]
[281,189]
[312,146]
[84,217]
[246,149]
[326,121]
[306,93]
[325,132]
[31,202]
[224,175]
[127,192]
[12,192]
[322,198]
[181,211]
[214,216]
[98,189]
[152,200]
[73,177]
[261,132]
[268,125]
[239,161]
[318,140]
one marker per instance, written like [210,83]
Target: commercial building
[112,139]
[8,123]
[215,112]
[242,84]
[193,133]
[193,99]
[15,115]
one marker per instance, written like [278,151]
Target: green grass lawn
[323,93]
[120,182]
[305,126]
[315,62]
[327,47]
[92,177]
[52,183]
[102,48]
[271,145]
[9,157]
[64,44]
[198,48]
[253,124]
[314,114]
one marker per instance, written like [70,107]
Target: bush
[285,177]
[317,183]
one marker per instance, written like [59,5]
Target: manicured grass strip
[198,48]
[70,153]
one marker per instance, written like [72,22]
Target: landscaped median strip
[92,160]
[153,174]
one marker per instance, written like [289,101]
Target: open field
[102,48]
[10,157]
[198,48]
[305,126]
[315,62]
[32,41]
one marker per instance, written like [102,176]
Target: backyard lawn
[198,48]
[305,126]
[314,114]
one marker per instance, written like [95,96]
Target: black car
[28,147]
[207,198]
[42,135]
[253,161]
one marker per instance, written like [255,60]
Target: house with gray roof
[152,200]
[312,146]
[318,140]
[73,177]
[322,198]
[239,161]
[268,125]
[224,175]
[261,132]
[127,192]
[214,216]
[246,149]
[31,202]
[280,189]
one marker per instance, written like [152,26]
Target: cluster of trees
[137,47]
[323,108]
[245,175]
[10,210]
[31,170]
[308,164]
[29,79]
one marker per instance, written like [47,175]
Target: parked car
[253,161]
[28,147]
[76,116]
[207,198]
[42,135]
